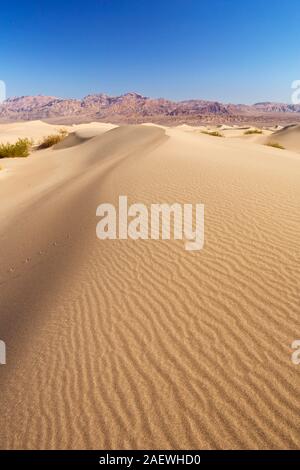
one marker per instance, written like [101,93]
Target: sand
[36,130]
[288,137]
[141,344]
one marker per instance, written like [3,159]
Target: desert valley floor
[142,344]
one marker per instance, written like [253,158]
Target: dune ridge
[141,344]
[288,137]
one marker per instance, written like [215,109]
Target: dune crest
[288,137]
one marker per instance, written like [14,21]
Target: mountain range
[135,108]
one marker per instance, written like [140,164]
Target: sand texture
[142,344]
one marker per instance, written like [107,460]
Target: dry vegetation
[52,139]
[253,131]
[276,145]
[19,149]
[213,133]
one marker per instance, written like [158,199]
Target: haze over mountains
[135,108]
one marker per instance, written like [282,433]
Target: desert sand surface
[142,344]
[288,137]
[36,130]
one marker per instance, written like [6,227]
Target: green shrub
[213,133]
[20,149]
[52,139]
[276,145]
[253,131]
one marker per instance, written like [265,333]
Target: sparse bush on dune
[213,133]
[19,149]
[276,145]
[52,139]
[253,131]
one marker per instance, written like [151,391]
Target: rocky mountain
[134,108]
[277,107]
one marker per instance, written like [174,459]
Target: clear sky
[226,50]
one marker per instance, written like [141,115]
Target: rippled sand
[142,344]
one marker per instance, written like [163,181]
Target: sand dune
[77,136]
[32,129]
[141,344]
[288,137]
[36,130]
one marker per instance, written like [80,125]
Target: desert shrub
[276,145]
[213,133]
[253,131]
[19,149]
[52,139]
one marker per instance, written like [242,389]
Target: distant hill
[135,108]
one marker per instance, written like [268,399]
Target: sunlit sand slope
[142,344]
[288,137]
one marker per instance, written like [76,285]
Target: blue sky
[226,50]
